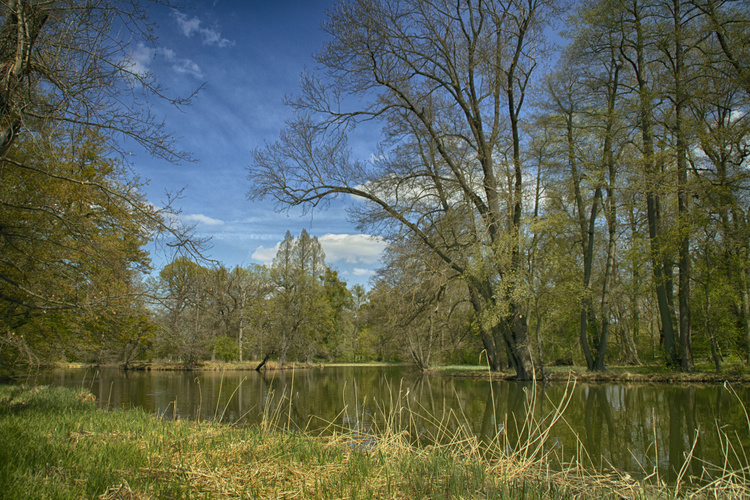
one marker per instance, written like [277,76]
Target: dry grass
[126,455]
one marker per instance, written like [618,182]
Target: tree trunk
[709,327]
[241,331]
[485,332]
[745,295]
[652,197]
[608,271]
[686,350]
[610,212]
[23,23]
[634,295]
[263,363]
[522,351]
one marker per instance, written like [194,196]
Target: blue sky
[248,55]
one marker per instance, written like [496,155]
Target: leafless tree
[448,79]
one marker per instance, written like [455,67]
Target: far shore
[648,373]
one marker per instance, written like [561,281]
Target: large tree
[74,219]
[448,80]
[186,323]
[72,230]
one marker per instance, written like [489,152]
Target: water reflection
[644,430]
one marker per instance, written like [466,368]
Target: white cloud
[140,59]
[181,66]
[192,26]
[358,271]
[265,255]
[352,248]
[346,248]
[202,219]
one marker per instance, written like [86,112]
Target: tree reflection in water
[639,429]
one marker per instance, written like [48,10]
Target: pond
[638,429]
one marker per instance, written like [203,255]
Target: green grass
[56,444]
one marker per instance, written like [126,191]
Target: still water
[639,429]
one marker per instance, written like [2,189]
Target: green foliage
[73,230]
[225,348]
[73,218]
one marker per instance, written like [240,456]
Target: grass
[57,444]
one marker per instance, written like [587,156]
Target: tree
[256,314]
[70,61]
[73,218]
[183,291]
[583,101]
[722,127]
[338,302]
[449,81]
[72,227]
[411,289]
[637,49]
[297,300]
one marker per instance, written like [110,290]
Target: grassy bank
[56,444]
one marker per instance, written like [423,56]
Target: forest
[576,199]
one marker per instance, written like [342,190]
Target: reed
[56,444]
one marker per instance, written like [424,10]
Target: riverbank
[163,365]
[736,373]
[651,373]
[57,444]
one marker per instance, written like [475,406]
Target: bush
[226,348]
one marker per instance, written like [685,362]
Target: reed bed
[56,444]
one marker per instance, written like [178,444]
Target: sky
[247,55]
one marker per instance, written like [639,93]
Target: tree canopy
[73,218]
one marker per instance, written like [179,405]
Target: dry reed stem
[262,468]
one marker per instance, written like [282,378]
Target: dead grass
[181,459]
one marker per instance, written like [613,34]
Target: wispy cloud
[140,59]
[202,219]
[193,26]
[180,65]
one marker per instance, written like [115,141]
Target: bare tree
[72,61]
[448,80]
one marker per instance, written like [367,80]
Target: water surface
[639,429]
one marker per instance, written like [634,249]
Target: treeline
[295,309]
[593,211]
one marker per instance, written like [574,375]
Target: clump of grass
[56,444]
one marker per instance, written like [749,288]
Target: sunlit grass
[56,444]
